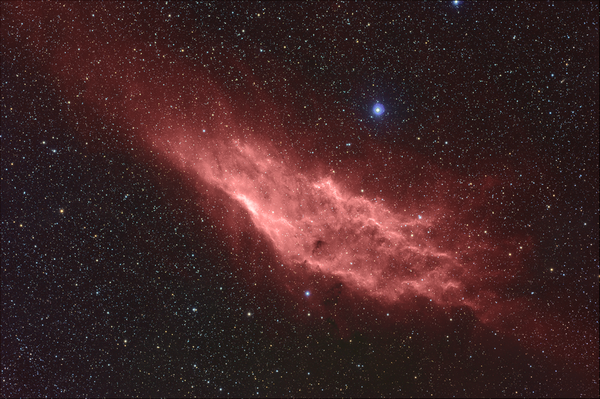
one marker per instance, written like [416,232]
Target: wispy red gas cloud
[315,224]
[389,227]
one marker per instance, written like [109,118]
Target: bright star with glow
[307,293]
[378,109]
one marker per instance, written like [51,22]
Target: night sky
[300,199]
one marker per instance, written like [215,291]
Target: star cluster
[299,199]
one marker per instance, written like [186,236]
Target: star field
[300,199]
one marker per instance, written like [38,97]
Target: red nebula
[390,246]
[406,241]
[314,224]
[383,225]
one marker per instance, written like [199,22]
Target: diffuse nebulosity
[367,233]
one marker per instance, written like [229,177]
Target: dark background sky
[117,280]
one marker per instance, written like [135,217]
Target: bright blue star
[378,109]
[307,293]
